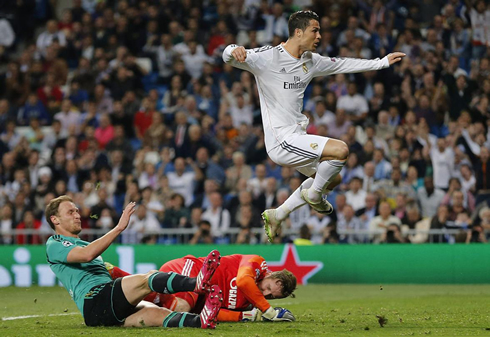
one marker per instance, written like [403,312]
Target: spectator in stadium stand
[394,185]
[413,216]
[33,108]
[6,223]
[349,221]
[442,157]
[10,136]
[176,214]
[392,234]
[356,197]
[245,223]
[203,234]
[239,170]
[482,175]
[382,169]
[120,143]
[340,202]
[245,199]
[182,181]
[46,38]
[379,143]
[217,215]
[429,197]
[267,199]
[68,117]
[367,213]
[192,143]
[29,223]
[467,179]
[104,133]
[380,223]
[440,221]
[354,104]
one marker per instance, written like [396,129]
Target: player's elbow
[225,56]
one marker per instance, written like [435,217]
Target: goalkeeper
[246,282]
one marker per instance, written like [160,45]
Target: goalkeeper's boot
[322,206]
[209,313]
[209,266]
[271,223]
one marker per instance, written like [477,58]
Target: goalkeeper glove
[252,315]
[278,315]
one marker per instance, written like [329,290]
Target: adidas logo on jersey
[283,70]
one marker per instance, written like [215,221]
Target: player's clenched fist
[239,53]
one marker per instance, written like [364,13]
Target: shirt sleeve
[252,269]
[57,250]
[333,65]
[253,62]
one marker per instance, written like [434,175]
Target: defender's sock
[294,201]
[181,320]
[327,171]
[170,283]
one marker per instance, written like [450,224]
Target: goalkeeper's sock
[170,283]
[182,320]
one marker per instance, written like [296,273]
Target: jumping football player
[282,74]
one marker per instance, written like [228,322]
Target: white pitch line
[33,316]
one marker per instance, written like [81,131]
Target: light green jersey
[78,278]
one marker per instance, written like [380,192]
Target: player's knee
[342,150]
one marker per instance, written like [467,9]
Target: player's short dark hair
[52,208]
[288,281]
[301,20]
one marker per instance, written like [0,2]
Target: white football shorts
[299,150]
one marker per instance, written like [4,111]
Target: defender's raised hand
[128,211]
[239,53]
[395,57]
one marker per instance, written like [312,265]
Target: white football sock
[326,172]
[293,202]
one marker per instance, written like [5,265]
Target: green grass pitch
[332,310]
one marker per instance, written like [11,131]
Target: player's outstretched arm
[333,65]
[97,247]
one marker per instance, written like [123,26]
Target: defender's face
[69,217]
[310,38]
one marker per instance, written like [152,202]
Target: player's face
[311,36]
[271,288]
[69,217]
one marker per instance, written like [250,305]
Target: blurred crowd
[115,101]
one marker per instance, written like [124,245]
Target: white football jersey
[282,80]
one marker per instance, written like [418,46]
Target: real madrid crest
[305,68]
